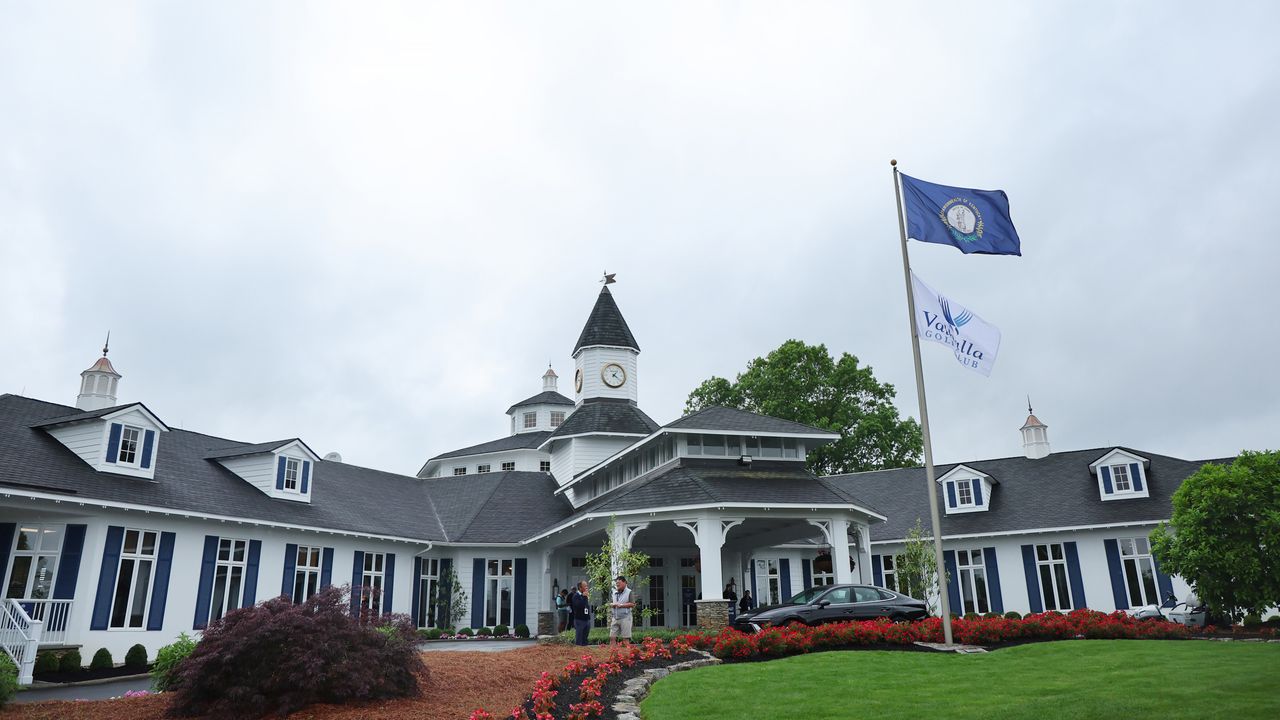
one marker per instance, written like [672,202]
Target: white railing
[54,614]
[20,637]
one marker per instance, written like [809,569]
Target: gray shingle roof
[86,415]
[1055,491]
[606,326]
[519,441]
[726,419]
[546,397]
[606,415]
[515,505]
[241,450]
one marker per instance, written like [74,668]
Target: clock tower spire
[605,354]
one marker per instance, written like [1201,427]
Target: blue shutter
[107,578]
[251,574]
[326,567]
[806,572]
[205,591]
[357,577]
[1033,582]
[951,494]
[415,607]
[1106,479]
[280,472]
[1164,582]
[1074,577]
[7,531]
[1116,570]
[113,447]
[477,593]
[755,596]
[160,590]
[64,587]
[306,476]
[994,594]
[953,582]
[444,595]
[388,582]
[290,569]
[876,572]
[1135,472]
[148,442]
[977,491]
[521,590]
[784,578]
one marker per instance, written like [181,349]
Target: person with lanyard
[580,604]
[620,624]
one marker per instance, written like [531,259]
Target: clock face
[613,375]
[577,380]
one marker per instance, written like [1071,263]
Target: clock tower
[605,356]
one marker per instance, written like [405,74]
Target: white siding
[592,360]
[87,440]
[591,451]
[257,470]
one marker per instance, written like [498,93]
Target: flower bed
[583,687]
[797,639]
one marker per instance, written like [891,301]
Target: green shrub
[165,672]
[484,632]
[501,630]
[8,679]
[1013,615]
[46,662]
[992,615]
[522,631]
[1252,621]
[971,616]
[102,660]
[430,633]
[70,662]
[466,632]
[136,658]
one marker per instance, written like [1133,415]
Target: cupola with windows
[542,412]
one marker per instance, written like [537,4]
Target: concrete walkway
[97,691]
[477,645]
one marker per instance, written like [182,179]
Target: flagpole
[943,600]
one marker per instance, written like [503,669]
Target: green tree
[803,383]
[449,599]
[615,559]
[916,569]
[1224,535]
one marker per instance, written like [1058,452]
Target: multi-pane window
[34,562]
[973,581]
[371,582]
[889,570]
[428,590]
[482,468]
[508,466]
[1051,567]
[292,471]
[530,420]
[1139,572]
[460,470]
[228,577]
[689,592]
[964,492]
[130,438]
[823,570]
[306,574]
[1120,476]
[499,588]
[544,466]
[557,418]
[769,591]
[133,579]
[764,447]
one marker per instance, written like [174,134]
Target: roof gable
[606,326]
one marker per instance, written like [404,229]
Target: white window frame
[768,577]
[822,578]
[1118,472]
[530,420]
[557,418]
[970,566]
[1134,557]
[308,564]
[461,470]
[889,573]
[137,558]
[1054,564]
[41,532]
[500,574]
[292,474]
[508,466]
[429,585]
[483,468]
[964,492]
[136,443]
[373,577]
[227,567]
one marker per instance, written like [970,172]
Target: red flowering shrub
[278,657]
[733,644]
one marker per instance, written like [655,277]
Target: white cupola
[98,383]
[549,380]
[1035,436]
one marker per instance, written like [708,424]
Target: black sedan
[834,603]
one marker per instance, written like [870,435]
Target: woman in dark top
[580,604]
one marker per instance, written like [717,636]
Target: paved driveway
[477,645]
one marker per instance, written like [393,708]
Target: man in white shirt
[620,624]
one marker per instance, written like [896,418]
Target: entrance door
[688,593]
[768,590]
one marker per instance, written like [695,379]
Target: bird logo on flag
[958,321]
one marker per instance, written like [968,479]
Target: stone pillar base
[546,623]
[713,615]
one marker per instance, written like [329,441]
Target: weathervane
[106,346]
[1029,406]
[608,278]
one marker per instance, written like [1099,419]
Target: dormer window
[966,490]
[964,494]
[460,470]
[1120,474]
[130,439]
[292,471]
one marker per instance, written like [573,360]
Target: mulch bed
[456,683]
[567,693]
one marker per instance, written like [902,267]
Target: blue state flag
[974,221]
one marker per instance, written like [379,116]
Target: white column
[864,554]
[544,603]
[710,539]
[840,550]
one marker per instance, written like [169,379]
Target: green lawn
[1129,679]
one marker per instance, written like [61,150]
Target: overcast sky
[371,225]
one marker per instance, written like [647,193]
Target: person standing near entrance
[732,596]
[747,602]
[620,624]
[580,605]
[563,616]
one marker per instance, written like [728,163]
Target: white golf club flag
[974,341]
